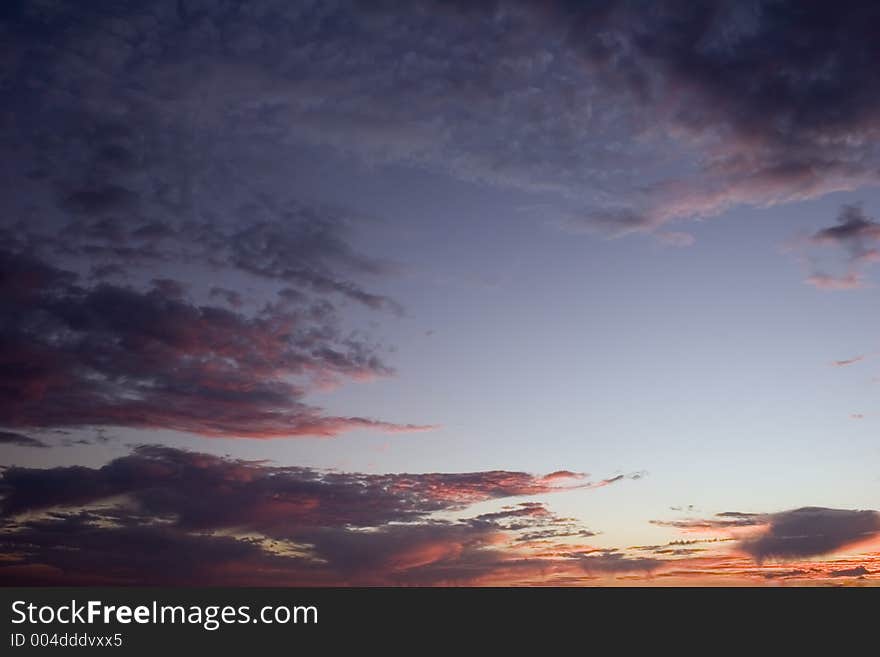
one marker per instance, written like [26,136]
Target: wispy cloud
[848,361]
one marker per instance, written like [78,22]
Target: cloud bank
[76,354]
[162,515]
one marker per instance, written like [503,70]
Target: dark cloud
[858,235]
[799,533]
[523,510]
[739,515]
[811,531]
[20,440]
[416,554]
[680,547]
[787,574]
[616,562]
[121,184]
[109,355]
[763,102]
[305,249]
[636,116]
[206,491]
[87,549]
[784,91]
[778,71]
[162,515]
[92,202]
[555,534]
[854,229]
[534,522]
[858,571]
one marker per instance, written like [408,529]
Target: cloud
[165,480]
[615,562]
[854,230]
[20,440]
[165,516]
[122,204]
[562,475]
[779,97]
[787,535]
[98,201]
[162,515]
[725,520]
[811,531]
[858,571]
[850,281]
[848,361]
[113,355]
[130,176]
[522,510]
[231,297]
[614,222]
[639,117]
[858,236]
[303,249]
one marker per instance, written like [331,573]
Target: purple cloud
[162,515]
[112,355]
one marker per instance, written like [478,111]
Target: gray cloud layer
[765,102]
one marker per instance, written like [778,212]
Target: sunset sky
[439,292]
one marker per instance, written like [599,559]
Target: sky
[496,292]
